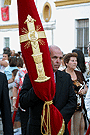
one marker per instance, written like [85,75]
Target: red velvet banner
[5,13]
[36,56]
[69,127]
[88,131]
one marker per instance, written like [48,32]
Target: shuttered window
[82,28]
[6,41]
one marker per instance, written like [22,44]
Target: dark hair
[67,57]
[17,54]
[6,49]
[19,62]
[15,72]
[20,53]
[80,60]
[5,52]
[13,61]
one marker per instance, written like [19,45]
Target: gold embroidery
[61,132]
[24,38]
[7,2]
[33,37]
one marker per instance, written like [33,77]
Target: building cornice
[69,2]
[8,26]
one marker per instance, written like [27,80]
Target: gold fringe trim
[7,2]
[43,123]
[61,132]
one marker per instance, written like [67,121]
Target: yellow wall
[69,2]
[9,26]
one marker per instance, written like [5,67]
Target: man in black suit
[64,100]
[5,106]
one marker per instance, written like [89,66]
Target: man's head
[56,56]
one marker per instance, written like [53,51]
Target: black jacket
[5,106]
[64,100]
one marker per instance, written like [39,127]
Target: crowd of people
[72,97]
[13,67]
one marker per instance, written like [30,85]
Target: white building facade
[72,27]
[9,34]
[65,25]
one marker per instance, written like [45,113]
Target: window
[47,12]
[82,28]
[6,41]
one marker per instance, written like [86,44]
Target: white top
[2,67]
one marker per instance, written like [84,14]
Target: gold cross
[32,33]
[33,37]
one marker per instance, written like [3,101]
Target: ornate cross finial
[29,19]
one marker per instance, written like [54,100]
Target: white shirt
[2,67]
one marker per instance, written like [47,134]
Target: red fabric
[17,101]
[20,85]
[45,90]
[88,131]
[69,127]
[5,13]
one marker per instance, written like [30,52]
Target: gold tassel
[7,2]
[43,123]
[47,125]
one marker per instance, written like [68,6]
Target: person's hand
[14,104]
[82,92]
[89,120]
